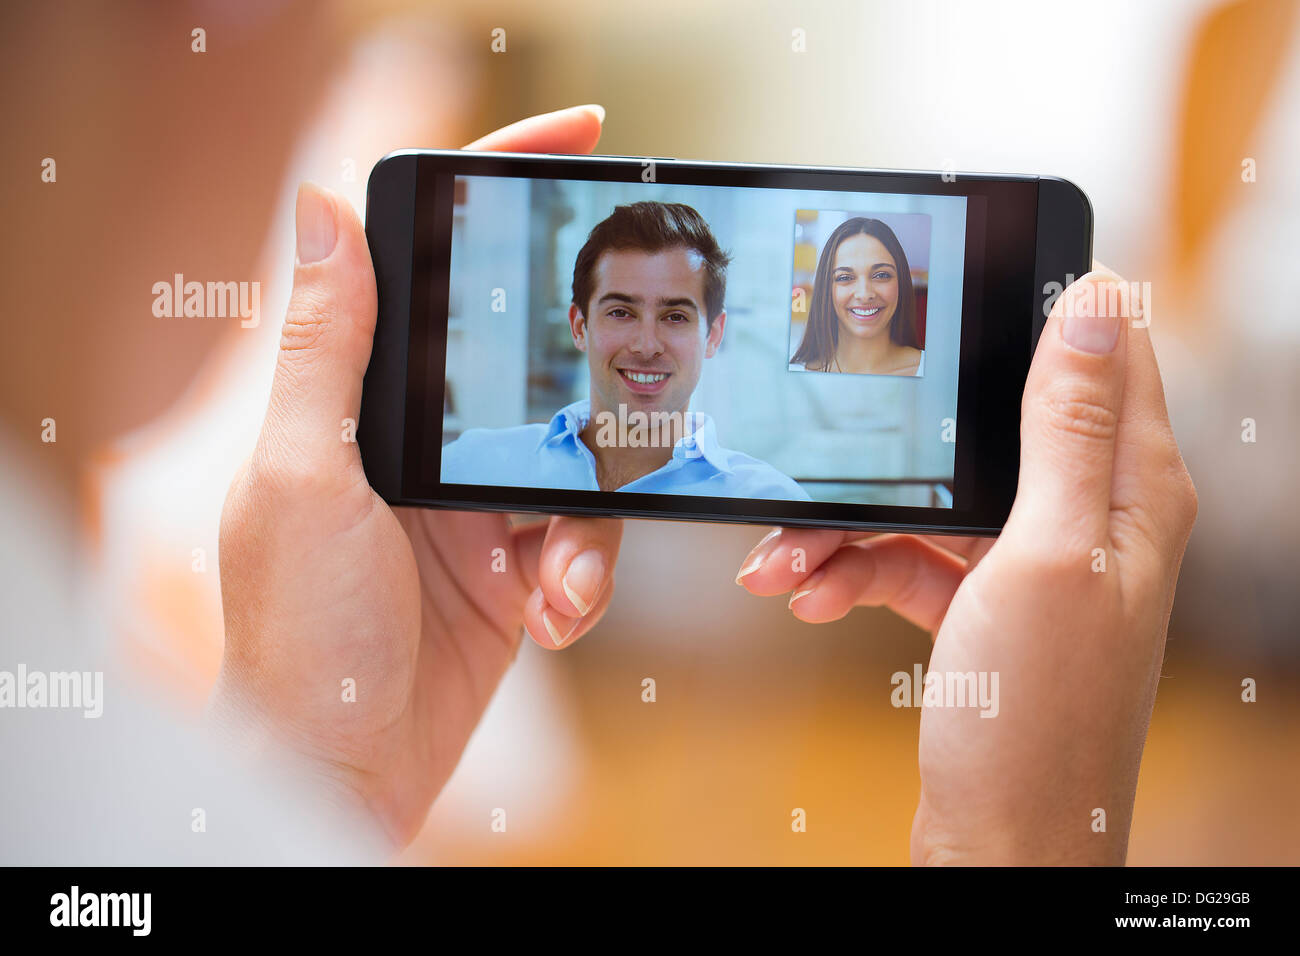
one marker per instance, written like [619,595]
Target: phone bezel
[410,194]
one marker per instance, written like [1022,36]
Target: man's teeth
[864,313]
[646,378]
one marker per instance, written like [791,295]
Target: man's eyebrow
[676,302]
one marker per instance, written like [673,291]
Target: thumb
[324,346]
[1070,414]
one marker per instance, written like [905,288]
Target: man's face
[646,334]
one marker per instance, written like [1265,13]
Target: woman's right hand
[1069,606]
[323,585]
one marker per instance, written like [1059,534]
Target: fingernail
[808,587]
[597,109]
[317,232]
[754,560]
[582,580]
[554,631]
[1086,326]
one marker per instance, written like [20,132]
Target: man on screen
[648,290]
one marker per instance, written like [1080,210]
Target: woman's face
[864,283]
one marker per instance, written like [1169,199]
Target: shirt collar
[570,420]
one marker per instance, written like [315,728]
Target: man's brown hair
[653,227]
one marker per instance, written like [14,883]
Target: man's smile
[644,381]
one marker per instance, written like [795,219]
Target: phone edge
[1064,214]
[383,446]
[390,233]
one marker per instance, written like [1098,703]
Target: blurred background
[1177,118]
[860,438]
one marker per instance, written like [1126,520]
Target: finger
[786,556]
[577,562]
[324,345]
[901,572]
[970,550]
[966,547]
[1151,481]
[1144,393]
[553,629]
[529,539]
[575,575]
[1070,415]
[573,130]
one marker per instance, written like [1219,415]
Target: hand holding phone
[369,640]
[323,584]
[1060,622]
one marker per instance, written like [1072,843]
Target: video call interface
[736,342]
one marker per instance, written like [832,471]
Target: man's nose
[646,341]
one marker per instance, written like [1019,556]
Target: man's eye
[619,312]
[677,317]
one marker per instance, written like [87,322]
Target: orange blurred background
[175,161]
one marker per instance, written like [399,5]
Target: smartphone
[659,338]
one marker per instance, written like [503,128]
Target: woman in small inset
[862,316]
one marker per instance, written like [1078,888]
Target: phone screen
[803,346]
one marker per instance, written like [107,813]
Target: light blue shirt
[554,456]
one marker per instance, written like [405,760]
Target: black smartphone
[660,338]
